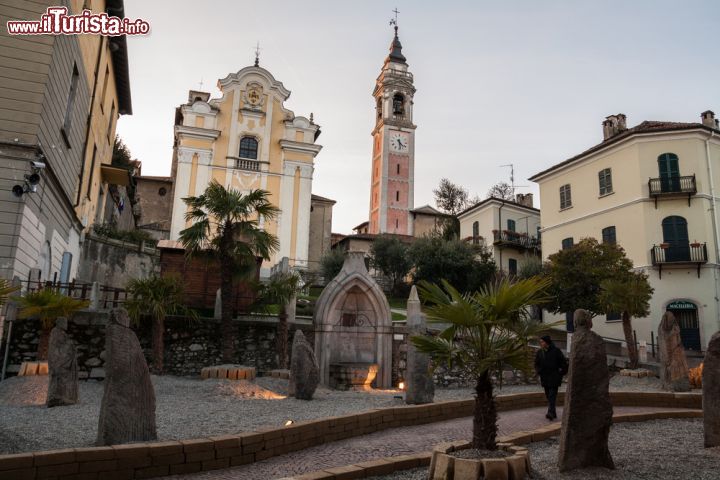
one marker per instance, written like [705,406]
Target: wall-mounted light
[32,179]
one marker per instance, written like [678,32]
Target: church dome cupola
[396,50]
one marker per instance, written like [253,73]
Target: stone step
[229,372]
[33,368]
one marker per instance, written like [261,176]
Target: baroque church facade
[247,139]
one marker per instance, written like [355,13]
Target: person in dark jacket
[550,365]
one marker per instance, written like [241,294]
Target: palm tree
[6,288]
[631,297]
[226,224]
[156,297]
[488,329]
[46,305]
[282,289]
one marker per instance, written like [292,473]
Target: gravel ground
[186,408]
[191,408]
[656,450]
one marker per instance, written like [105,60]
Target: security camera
[37,165]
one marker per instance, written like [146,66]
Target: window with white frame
[605,181]
[565,197]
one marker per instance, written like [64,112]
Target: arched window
[248,148]
[379,108]
[398,104]
[669,172]
[476,233]
[675,234]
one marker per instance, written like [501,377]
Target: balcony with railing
[668,255]
[672,187]
[247,164]
[519,240]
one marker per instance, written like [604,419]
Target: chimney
[613,125]
[524,199]
[708,119]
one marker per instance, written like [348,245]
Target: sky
[521,82]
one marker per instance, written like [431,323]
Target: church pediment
[256,76]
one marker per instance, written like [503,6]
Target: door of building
[686,314]
[669,172]
[675,233]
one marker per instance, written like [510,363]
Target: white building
[509,229]
[651,189]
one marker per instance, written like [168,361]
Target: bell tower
[393,160]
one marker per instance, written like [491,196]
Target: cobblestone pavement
[387,443]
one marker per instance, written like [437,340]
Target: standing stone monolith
[711,392]
[419,385]
[587,414]
[673,363]
[127,411]
[304,370]
[62,367]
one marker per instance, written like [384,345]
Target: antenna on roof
[512,179]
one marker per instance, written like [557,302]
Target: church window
[398,169]
[248,148]
[379,108]
[397,223]
[398,104]
[397,195]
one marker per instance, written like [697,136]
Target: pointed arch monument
[353,324]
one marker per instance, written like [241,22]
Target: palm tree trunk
[485,414]
[226,327]
[158,344]
[630,340]
[282,338]
[43,343]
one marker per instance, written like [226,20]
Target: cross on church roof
[394,21]
[257,54]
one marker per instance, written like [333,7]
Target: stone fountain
[353,329]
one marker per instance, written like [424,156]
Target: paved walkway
[386,443]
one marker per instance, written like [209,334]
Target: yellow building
[247,139]
[651,189]
[105,67]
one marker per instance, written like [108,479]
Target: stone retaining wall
[189,346]
[145,460]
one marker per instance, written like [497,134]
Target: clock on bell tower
[393,162]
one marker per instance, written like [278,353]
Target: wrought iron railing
[672,185]
[673,253]
[516,239]
[107,297]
